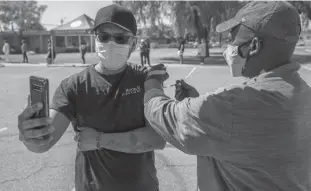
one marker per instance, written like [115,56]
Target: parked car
[301,42]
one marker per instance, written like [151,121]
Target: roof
[82,23]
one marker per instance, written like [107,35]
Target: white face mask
[112,56]
[234,61]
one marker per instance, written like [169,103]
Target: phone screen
[39,92]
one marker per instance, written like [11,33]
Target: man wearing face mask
[104,104]
[249,137]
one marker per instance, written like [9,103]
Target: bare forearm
[137,141]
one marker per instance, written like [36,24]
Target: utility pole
[62,20]
[52,49]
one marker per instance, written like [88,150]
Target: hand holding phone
[34,122]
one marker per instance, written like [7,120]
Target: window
[60,41]
[73,41]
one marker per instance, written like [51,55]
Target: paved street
[22,170]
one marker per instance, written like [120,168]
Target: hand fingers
[39,133]
[159,66]
[185,85]
[77,137]
[37,122]
[38,142]
[30,111]
[157,72]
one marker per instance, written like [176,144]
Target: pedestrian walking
[51,53]
[181,49]
[202,51]
[24,49]
[6,51]
[83,49]
[143,52]
[147,41]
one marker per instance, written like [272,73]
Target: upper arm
[62,110]
[195,125]
[60,122]
[204,124]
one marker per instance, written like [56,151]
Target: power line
[49,24]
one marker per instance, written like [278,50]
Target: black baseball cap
[117,15]
[278,19]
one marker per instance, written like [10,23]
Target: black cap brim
[227,25]
[95,27]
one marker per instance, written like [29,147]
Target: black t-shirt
[91,99]
[143,47]
[181,45]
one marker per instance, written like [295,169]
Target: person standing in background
[148,51]
[83,49]
[24,51]
[51,53]
[143,51]
[6,51]
[202,51]
[181,49]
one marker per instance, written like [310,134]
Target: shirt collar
[280,71]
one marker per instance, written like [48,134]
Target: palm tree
[201,17]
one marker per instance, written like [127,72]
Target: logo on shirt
[129,91]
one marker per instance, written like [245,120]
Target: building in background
[36,40]
[68,37]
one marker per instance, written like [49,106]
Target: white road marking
[3,129]
[193,69]
[307,68]
[189,74]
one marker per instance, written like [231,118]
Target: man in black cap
[104,104]
[252,136]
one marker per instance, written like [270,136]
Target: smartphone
[39,92]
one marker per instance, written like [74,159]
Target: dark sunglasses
[117,38]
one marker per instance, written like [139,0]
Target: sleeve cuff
[153,93]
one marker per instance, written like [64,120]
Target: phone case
[39,92]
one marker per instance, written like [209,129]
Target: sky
[68,10]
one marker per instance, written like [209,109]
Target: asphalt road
[22,170]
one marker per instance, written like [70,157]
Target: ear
[255,46]
[134,45]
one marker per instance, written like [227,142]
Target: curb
[87,65]
[45,64]
[21,64]
[69,65]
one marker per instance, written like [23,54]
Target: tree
[197,17]
[201,17]
[22,15]
[150,17]
[304,9]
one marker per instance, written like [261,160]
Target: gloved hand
[88,139]
[184,90]
[158,72]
